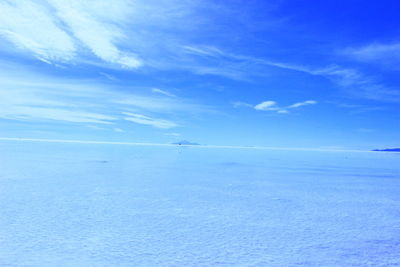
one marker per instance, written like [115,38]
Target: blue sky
[262,73]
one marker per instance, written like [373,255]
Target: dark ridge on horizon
[388,150]
[185,142]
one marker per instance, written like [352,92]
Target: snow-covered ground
[110,205]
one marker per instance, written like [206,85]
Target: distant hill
[388,150]
[185,142]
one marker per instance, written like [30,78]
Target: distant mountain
[388,150]
[185,143]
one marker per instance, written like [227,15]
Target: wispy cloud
[376,52]
[162,92]
[304,103]
[272,106]
[55,114]
[42,98]
[109,77]
[359,108]
[238,104]
[207,51]
[59,31]
[236,66]
[142,119]
[28,25]
[352,81]
[158,104]
[282,111]
[359,85]
[96,32]
[267,105]
[127,34]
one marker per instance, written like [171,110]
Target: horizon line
[174,145]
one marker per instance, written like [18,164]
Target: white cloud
[266,105]
[304,103]
[57,30]
[273,106]
[77,31]
[28,25]
[99,34]
[283,111]
[162,92]
[126,33]
[155,122]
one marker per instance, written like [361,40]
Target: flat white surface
[98,205]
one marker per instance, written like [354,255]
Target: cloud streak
[104,35]
[304,103]
[375,52]
[38,98]
[53,114]
[270,105]
[352,81]
[155,122]
[162,92]
[266,106]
